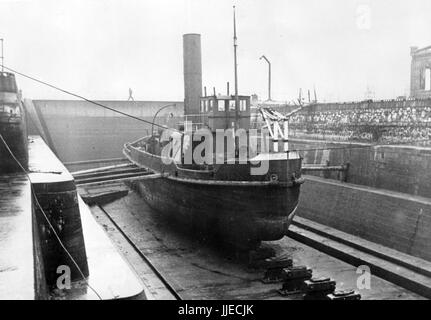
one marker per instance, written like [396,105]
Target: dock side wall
[404,169]
[395,220]
[81,131]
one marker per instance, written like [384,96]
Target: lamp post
[154,118]
[269,76]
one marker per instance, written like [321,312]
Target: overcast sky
[101,48]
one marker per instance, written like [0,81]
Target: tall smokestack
[192,72]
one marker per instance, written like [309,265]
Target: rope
[83,98]
[158,125]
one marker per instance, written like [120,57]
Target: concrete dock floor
[202,271]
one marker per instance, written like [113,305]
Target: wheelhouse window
[221,105]
[232,105]
[243,105]
[206,105]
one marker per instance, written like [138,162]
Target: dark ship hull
[240,214]
[15,135]
[242,210]
[12,126]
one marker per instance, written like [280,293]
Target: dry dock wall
[356,126]
[392,219]
[399,168]
[78,131]
[387,199]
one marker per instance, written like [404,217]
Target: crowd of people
[371,122]
[377,116]
[399,134]
[398,121]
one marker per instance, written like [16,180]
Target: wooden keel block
[294,278]
[318,288]
[276,271]
[344,295]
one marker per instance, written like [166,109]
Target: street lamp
[154,119]
[269,76]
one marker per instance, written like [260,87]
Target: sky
[101,48]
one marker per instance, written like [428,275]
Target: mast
[236,71]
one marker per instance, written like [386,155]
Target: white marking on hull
[291,215]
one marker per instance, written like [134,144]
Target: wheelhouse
[220,112]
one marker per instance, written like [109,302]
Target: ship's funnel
[7,82]
[192,73]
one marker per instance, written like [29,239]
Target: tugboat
[243,193]
[12,125]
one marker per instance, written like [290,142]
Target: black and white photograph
[215,154]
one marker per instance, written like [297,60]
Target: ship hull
[15,135]
[226,202]
[13,127]
[240,215]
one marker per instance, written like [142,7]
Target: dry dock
[187,268]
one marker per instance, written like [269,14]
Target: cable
[47,220]
[158,125]
[83,98]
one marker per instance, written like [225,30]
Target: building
[420,81]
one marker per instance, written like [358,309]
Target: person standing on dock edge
[130,95]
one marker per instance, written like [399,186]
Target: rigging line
[146,121]
[47,220]
[83,98]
